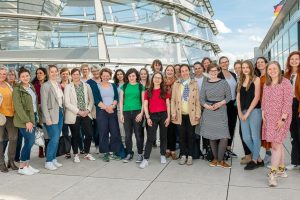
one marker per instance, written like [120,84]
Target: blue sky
[242,25]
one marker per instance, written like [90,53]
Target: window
[280,46]
[285,41]
[293,32]
[294,10]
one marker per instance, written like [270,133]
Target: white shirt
[59,93]
[293,81]
[33,96]
[232,84]
[199,82]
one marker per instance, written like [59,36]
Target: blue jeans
[109,131]
[29,138]
[54,133]
[251,129]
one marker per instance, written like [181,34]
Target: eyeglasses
[213,70]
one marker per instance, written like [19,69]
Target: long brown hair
[162,94]
[288,67]
[243,76]
[148,79]
[268,78]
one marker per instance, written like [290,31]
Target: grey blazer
[49,103]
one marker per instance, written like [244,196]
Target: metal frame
[100,23]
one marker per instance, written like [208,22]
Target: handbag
[39,137]
[63,145]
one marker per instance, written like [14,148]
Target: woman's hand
[49,123]
[280,124]
[122,118]
[29,127]
[174,118]
[139,117]
[149,122]
[167,122]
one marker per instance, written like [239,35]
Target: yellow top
[6,107]
[184,104]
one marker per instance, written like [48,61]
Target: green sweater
[23,106]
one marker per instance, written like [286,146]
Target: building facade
[108,32]
[283,36]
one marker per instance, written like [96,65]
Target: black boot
[3,168]
[11,164]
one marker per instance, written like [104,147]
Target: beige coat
[194,103]
[71,108]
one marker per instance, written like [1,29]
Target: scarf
[186,90]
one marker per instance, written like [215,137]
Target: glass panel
[285,41]
[293,32]
[279,46]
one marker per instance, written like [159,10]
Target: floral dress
[276,100]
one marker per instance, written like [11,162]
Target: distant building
[283,36]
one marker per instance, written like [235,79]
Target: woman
[293,74]
[96,79]
[12,77]
[79,102]
[65,80]
[145,81]
[156,66]
[131,108]
[169,80]
[260,71]
[107,118]
[119,80]
[248,95]
[186,112]
[7,110]
[215,94]
[277,116]
[157,112]
[26,114]
[177,71]
[205,62]
[231,79]
[40,78]
[52,108]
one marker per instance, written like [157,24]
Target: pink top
[156,104]
[276,100]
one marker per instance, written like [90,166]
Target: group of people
[186,103]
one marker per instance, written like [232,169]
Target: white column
[102,47]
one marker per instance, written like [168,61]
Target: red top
[156,104]
[37,87]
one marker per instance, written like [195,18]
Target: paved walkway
[116,180]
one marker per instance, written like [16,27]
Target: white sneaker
[76,159]
[50,166]
[144,163]
[163,160]
[89,157]
[292,167]
[25,171]
[57,164]
[34,170]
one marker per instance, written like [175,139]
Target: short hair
[204,59]
[65,69]
[130,71]
[223,57]
[4,68]
[105,70]
[75,70]
[198,63]
[156,61]
[237,62]
[12,70]
[95,67]
[22,71]
[185,65]
[211,66]
[84,65]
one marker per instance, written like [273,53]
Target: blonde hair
[268,77]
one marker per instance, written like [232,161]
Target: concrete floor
[116,180]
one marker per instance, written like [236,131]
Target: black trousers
[232,117]
[86,124]
[295,134]
[186,136]
[158,119]
[130,126]
[171,137]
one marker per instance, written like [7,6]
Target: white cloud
[240,30]
[222,27]
[255,38]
